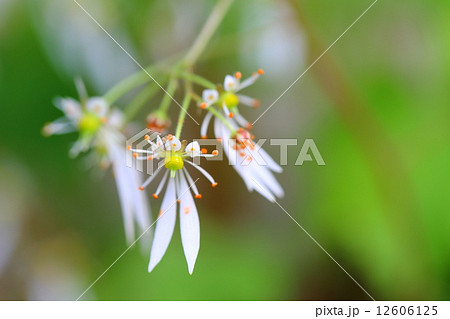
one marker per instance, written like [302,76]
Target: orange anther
[248,126]
[214,184]
[129,147]
[178,201]
[198,196]
[155,196]
[260,71]
[141,188]
[256,103]
[215,152]
[146,137]
[204,150]
[204,136]
[135,155]
[170,137]
[242,154]
[203,105]
[230,115]
[238,75]
[150,157]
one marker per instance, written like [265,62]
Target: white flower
[99,129]
[249,160]
[228,99]
[172,154]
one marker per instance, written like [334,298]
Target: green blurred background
[376,105]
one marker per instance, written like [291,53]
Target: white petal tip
[151,267]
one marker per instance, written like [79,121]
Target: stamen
[204,136]
[215,152]
[161,185]
[190,181]
[238,75]
[147,138]
[226,110]
[260,71]
[204,151]
[203,105]
[214,184]
[136,151]
[141,188]
[203,171]
[198,196]
[152,177]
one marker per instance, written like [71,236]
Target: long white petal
[124,194]
[205,124]
[189,225]
[164,226]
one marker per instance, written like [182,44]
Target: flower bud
[158,122]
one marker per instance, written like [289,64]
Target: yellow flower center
[174,162]
[230,99]
[89,123]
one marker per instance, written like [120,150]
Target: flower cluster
[250,161]
[101,130]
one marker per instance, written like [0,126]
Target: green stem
[186,101]
[197,80]
[208,30]
[143,96]
[185,105]
[136,79]
[128,84]
[171,87]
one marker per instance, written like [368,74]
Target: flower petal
[70,107]
[210,96]
[173,144]
[205,124]
[189,224]
[164,226]
[98,106]
[231,83]
[193,149]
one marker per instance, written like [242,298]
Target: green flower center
[230,99]
[89,123]
[174,162]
